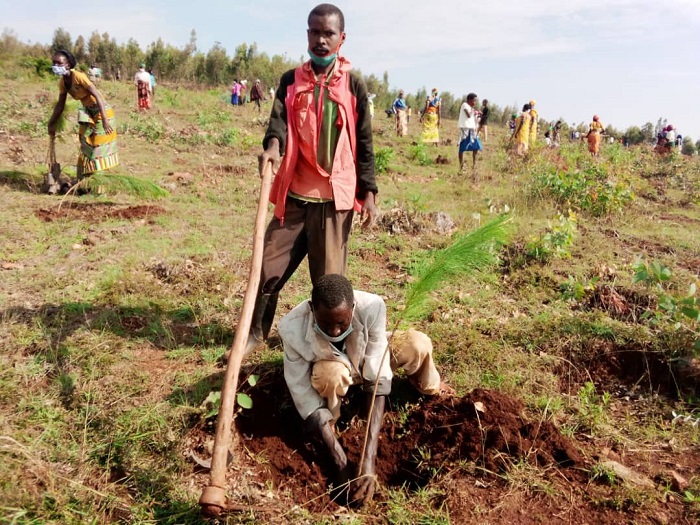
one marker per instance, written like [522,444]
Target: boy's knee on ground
[413,351]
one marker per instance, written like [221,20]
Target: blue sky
[630,61]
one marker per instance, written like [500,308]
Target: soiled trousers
[411,350]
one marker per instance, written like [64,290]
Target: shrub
[382,158]
[418,154]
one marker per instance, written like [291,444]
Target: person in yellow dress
[431,119]
[534,120]
[97,132]
[521,133]
[595,130]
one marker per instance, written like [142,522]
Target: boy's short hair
[331,291]
[328,10]
[471,96]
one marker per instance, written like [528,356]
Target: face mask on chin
[322,61]
[330,339]
[60,70]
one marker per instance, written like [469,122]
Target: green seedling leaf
[692,313]
[244,400]
[253,379]
[213,400]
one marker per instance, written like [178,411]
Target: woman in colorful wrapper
[97,133]
[595,130]
[431,119]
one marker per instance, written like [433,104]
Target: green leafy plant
[105,182]
[468,254]
[382,158]
[555,241]
[574,290]
[676,309]
[588,189]
[591,405]
[603,473]
[213,401]
[148,128]
[419,154]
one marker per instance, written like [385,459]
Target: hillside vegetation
[115,312]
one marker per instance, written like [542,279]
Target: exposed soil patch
[96,212]
[621,303]
[419,438]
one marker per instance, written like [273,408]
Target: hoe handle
[213,499]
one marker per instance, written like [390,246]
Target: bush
[382,158]
[418,154]
[587,189]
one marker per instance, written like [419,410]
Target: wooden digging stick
[213,499]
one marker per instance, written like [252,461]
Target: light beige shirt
[364,354]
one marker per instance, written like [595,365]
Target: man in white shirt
[337,339]
[468,137]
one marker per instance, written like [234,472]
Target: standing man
[256,94]
[319,142]
[468,136]
[484,120]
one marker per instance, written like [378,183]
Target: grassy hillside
[116,310]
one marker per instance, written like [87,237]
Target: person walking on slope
[142,81]
[256,94]
[468,135]
[324,166]
[400,110]
[521,133]
[484,120]
[534,122]
[431,119]
[595,131]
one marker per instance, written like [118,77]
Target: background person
[468,135]
[401,111]
[97,132]
[256,94]
[534,122]
[521,133]
[484,120]
[153,83]
[595,130]
[142,81]
[431,119]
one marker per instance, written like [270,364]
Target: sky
[629,61]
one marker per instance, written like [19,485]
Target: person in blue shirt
[400,110]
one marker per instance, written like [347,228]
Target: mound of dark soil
[484,426]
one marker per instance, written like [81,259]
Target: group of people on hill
[472,122]
[667,139]
[241,95]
